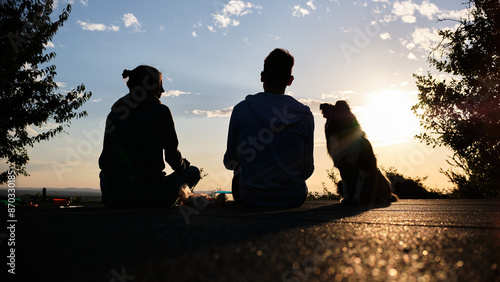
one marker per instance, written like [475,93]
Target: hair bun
[126,73]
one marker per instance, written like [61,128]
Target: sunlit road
[410,240]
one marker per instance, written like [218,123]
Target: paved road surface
[411,240]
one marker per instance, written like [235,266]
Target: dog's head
[338,117]
[341,108]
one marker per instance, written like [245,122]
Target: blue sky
[211,54]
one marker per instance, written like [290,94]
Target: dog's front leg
[347,196]
[359,186]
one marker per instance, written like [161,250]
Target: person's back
[270,142]
[140,134]
[136,138]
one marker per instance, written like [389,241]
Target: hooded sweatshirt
[270,145]
[139,132]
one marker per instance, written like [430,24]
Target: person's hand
[187,163]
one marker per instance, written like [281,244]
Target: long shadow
[88,241]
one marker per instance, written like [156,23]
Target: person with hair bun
[139,138]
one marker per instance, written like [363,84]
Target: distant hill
[60,192]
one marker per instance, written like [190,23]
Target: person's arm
[232,157]
[309,148]
[172,155]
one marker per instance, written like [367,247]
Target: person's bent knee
[193,175]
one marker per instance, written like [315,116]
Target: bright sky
[211,54]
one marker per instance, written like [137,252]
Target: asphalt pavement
[410,240]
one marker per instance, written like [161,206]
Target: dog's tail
[393,198]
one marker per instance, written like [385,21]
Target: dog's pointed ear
[341,104]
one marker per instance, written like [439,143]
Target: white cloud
[174,93]
[419,71]
[132,22]
[313,104]
[424,39]
[193,34]
[35,130]
[299,11]
[211,28]
[234,8]
[97,26]
[339,95]
[385,36]
[84,2]
[95,100]
[406,10]
[247,41]
[311,5]
[215,113]
[409,19]
[61,84]
[411,56]
[49,45]
[456,15]
[428,9]
[275,37]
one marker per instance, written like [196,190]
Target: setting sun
[387,118]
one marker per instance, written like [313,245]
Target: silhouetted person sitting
[139,133]
[270,141]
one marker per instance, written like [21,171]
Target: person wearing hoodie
[140,134]
[270,141]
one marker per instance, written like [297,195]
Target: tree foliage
[27,87]
[462,112]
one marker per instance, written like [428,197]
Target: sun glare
[387,118]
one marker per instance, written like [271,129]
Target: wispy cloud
[61,84]
[275,37]
[385,36]
[35,130]
[215,113]
[132,22]
[313,104]
[97,26]
[235,8]
[49,45]
[453,14]
[339,95]
[174,93]
[298,11]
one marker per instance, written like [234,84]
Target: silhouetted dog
[352,153]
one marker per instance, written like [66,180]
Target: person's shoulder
[243,104]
